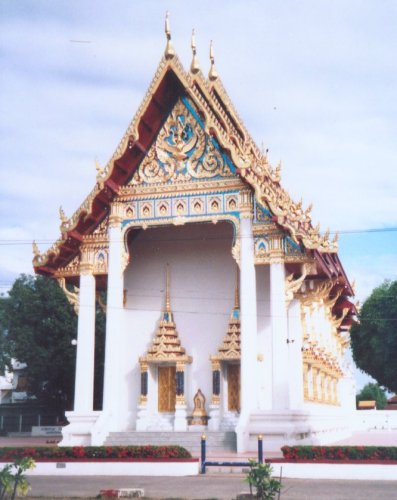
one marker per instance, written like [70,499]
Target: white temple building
[216,281]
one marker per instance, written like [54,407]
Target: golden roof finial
[62,215]
[194,67]
[169,52]
[100,172]
[167,289]
[36,250]
[213,74]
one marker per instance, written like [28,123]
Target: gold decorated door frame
[166,388]
[233,386]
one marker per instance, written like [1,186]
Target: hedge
[340,452]
[94,452]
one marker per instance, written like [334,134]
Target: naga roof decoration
[221,122]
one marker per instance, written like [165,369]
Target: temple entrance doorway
[233,387]
[166,388]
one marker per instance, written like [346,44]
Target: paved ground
[371,438]
[223,487]
[212,486]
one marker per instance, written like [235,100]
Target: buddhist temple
[222,297]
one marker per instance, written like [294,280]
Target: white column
[279,323]
[84,387]
[114,312]
[294,348]
[248,318]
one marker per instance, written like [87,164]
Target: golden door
[166,388]
[233,387]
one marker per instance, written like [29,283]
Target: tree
[373,392]
[374,338]
[40,324]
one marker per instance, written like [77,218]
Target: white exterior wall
[202,283]
[264,337]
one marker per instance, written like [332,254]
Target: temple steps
[191,440]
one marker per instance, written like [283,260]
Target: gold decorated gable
[190,146]
[182,151]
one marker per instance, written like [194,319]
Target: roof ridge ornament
[62,216]
[213,74]
[36,251]
[169,52]
[194,67]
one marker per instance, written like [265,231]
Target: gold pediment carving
[182,152]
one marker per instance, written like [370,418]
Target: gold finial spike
[36,250]
[336,238]
[237,290]
[213,74]
[194,67]
[169,52]
[62,215]
[167,289]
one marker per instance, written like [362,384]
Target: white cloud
[316,82]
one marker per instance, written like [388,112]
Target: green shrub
[260,477]
[318,453]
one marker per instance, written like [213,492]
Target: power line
[13,242]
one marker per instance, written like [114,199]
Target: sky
[314,81]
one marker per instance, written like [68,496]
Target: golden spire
[213,74]
[169,52]
[194,67]
[167,289]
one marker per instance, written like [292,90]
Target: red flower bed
[340,453]
[100,453]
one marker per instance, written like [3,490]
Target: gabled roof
[221,121]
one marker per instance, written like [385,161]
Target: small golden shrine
[166,346]
[167,353]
